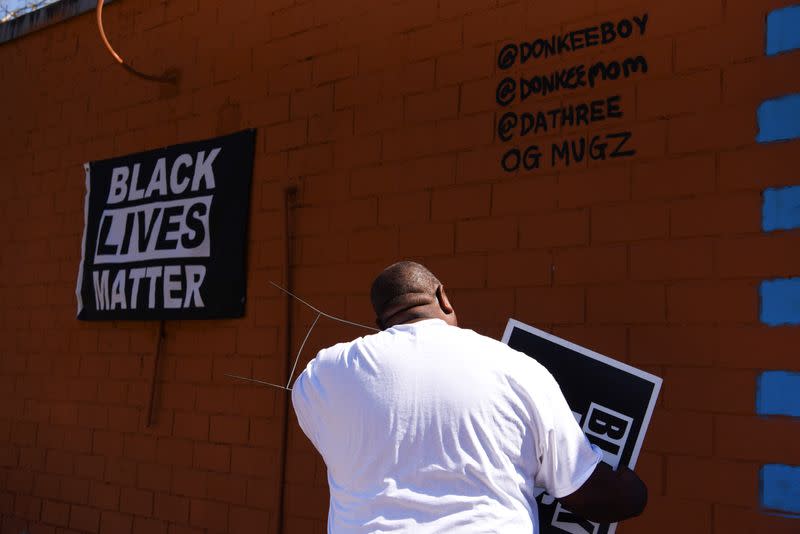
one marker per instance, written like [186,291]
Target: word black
[162,182]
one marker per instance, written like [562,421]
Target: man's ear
[444,302]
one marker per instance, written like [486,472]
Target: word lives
[515,90]
[153,230]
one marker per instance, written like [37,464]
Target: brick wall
[388,118]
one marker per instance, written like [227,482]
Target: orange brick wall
[384,116]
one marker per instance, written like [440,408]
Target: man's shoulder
[517,364]
[485,342]
[333,352]
[332,363]
[337,350]
[335,355]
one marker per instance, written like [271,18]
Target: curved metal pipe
[169,77]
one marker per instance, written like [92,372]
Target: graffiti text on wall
[526,124]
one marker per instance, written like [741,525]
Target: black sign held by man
[165,232]
[611,401]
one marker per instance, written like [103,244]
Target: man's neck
[414,315]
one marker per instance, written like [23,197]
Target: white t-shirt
[426,428]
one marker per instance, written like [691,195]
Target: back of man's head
[401,286]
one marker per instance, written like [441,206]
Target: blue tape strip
[783,30]
[780,301]
[778,393]
[780,208]
[779,119]
[780,487]
[786,516]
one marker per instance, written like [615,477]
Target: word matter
[179,287]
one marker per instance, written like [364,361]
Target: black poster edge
[87,169]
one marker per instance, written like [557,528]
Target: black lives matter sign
[165,232]
[612,401]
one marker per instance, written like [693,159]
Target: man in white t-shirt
[426,427]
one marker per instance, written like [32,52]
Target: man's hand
[608,496]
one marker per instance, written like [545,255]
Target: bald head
[407,291]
